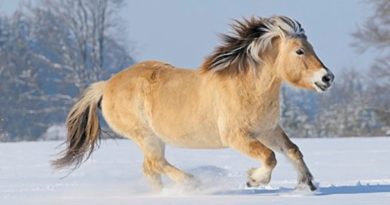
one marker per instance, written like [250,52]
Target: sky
[184,32]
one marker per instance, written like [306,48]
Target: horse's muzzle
[323,80]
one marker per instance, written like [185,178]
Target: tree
[81,31]
[298,109]
[374,34]
[47,57]
[343,110]
[18,78]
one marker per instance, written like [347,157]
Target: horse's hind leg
[255,149]
[154,176]
[155,163]
[281,142]
[153,153]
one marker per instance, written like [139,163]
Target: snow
[348,170]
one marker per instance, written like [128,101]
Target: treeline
[357,105]
[359,102]
[49,52]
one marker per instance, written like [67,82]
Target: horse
[231,101]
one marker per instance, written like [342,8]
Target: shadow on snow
[216,176]
[322,191]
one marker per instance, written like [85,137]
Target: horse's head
[279,42]
[297,63]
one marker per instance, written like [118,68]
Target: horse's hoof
[252,184]
[191,182]
[312,186]
[309,185]
[256,179]
[256,183]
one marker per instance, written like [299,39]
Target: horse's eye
[300,51]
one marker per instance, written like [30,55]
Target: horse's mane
[242,50]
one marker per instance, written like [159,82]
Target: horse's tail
[83,128]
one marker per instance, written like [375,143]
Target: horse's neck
[250,100]
[253,90]
[263,86]
[267,83]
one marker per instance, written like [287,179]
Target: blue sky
[183,32]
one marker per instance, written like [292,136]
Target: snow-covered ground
[349,171]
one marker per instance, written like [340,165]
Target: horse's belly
[197,140]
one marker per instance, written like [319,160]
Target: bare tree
[18,77]
[88,24]
[374,34]
[48,53]
[342,111]
[295,112]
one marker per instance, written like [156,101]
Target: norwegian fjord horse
[231,101]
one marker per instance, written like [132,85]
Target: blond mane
[241,51]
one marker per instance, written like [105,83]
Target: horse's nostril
[327,78]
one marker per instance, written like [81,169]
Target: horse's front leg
[250,146]
[279,141]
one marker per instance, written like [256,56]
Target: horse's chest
[265,118]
